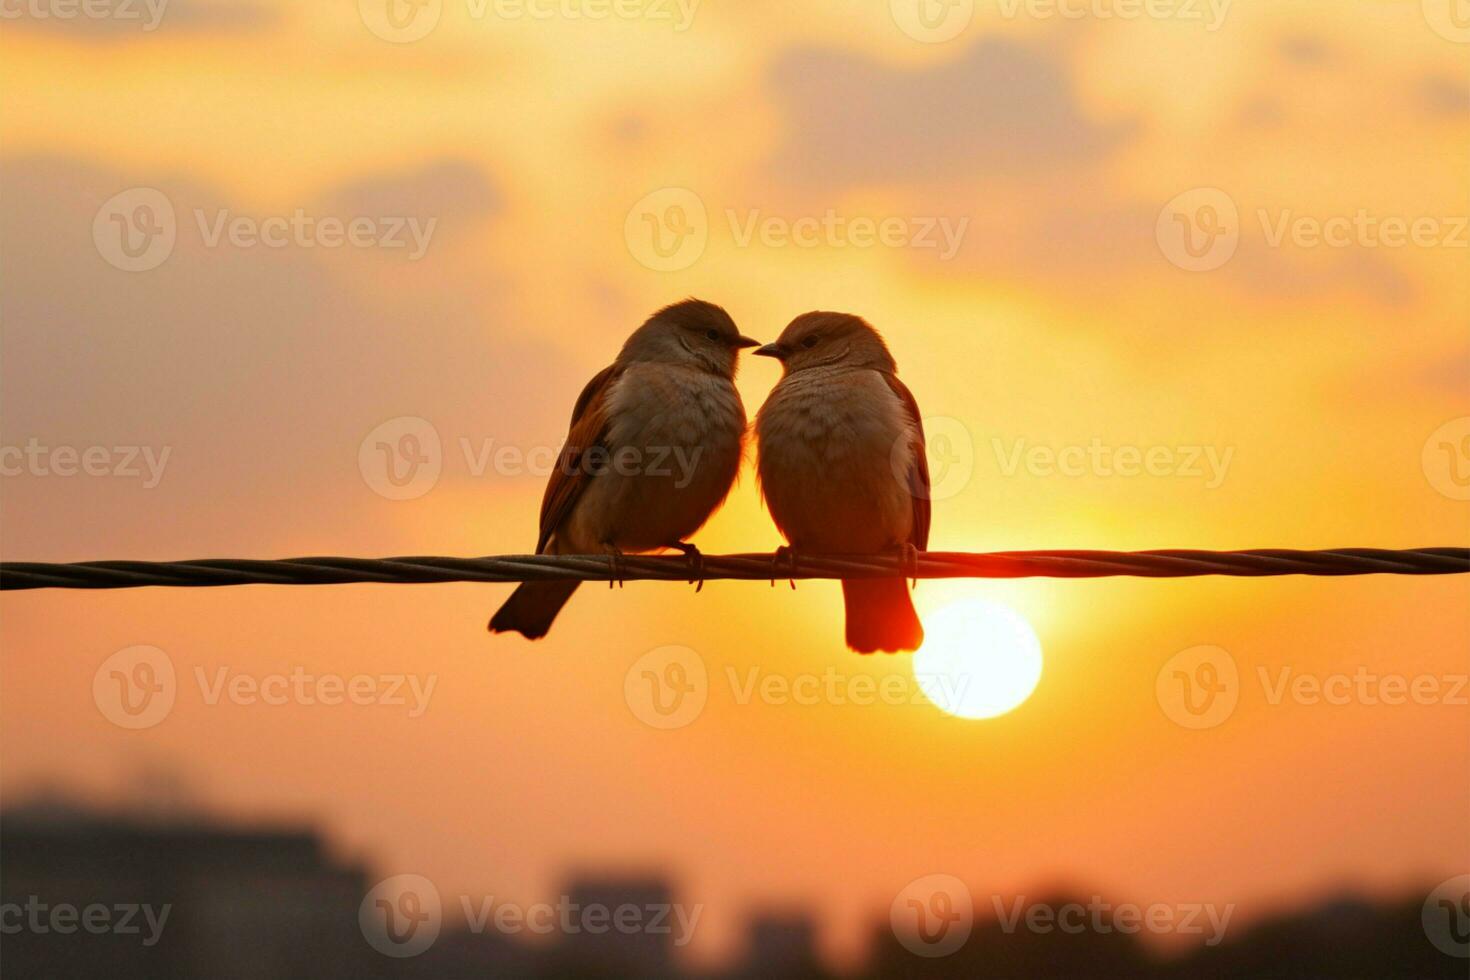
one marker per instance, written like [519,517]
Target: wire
[19,576]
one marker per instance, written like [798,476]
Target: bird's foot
[615,558]
[787,554]
[696,563]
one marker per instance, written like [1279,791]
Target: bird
[655,444]
[842,467]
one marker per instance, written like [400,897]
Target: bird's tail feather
[531,608]
[880,616]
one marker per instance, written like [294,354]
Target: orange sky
[1061,318]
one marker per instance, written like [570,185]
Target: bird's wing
[919,473]
[569,478]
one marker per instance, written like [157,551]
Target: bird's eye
[809,342]
[712,334]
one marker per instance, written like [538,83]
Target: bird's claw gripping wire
[615,560]
[696,564]
[787,554]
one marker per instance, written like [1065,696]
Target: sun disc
[979,659]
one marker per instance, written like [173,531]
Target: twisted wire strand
[1169,563]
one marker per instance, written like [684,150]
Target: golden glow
[980,659]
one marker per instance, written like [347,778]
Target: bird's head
[821,338]
[692,333]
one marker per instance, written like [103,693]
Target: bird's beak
[743,342]
[771,350]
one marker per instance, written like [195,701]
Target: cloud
[1001,108]
[262,369]
[1445,96]
[1305,49]
[455,192]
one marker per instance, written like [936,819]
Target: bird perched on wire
[655,444]
[842,465]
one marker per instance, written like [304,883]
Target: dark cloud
[1002,108]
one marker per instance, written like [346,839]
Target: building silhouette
[273,902]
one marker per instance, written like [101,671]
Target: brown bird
[842,464]
[655,444]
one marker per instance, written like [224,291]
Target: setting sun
[980,659]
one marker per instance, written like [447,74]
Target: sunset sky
[1328,381]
